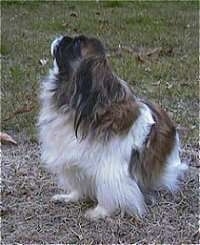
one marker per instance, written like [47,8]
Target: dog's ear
[83,98]
[95,87]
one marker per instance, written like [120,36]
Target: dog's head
[85,81]
[68,52]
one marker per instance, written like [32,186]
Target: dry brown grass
[29,217]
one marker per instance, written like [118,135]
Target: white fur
[174,169]
[90,168]
[97,212]
[73,196]
[55,43]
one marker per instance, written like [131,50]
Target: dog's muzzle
[55,44]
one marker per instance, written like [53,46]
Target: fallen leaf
[24,109]
[140,58]
[166,51]
[74,14]
[157,83]
[153,51]
[65,24]
[7,138]
[147,69]
[169,86]
[43,62]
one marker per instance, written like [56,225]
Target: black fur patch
[95,87]
[84,98]
[134,160]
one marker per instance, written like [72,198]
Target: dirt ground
[28,215]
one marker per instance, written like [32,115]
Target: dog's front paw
[97,213]
[71,197]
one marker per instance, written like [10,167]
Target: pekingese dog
[98,138]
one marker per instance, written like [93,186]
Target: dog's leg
[69,182]
[116,191]
[73,196]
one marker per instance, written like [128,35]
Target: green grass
[29,27]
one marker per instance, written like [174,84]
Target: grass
[29,27]
[169,78]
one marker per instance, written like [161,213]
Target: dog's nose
[55,44]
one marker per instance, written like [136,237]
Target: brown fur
[90,48]
[101,102]
[118,118]
[150,164]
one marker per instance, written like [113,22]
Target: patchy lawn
[158,56]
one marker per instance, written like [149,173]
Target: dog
[99,139]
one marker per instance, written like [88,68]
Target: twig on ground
[153,51]
[140,54]
[24,109]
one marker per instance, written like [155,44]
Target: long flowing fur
[99,139]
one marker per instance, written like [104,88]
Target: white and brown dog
[98,138]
